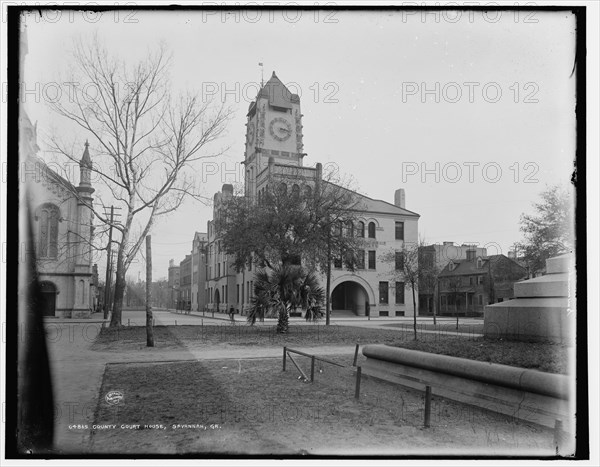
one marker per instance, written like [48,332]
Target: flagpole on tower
[262,74]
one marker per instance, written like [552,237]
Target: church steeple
[85,171]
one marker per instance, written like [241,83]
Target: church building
[274,154]
[61,220]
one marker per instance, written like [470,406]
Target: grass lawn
[131,338]
[444,326]
[251,407]
[547,357]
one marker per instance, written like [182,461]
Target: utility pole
[149,330]
[109,263]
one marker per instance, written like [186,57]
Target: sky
[472,114]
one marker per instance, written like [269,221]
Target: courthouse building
[274,155]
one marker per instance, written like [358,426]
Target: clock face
[280,129]
[250,133]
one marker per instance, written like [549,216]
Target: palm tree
[285,289]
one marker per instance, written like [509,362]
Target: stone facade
[63,231]
[273,154]
[185,283]
[198,271]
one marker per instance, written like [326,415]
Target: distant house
[434,258]
[466,286]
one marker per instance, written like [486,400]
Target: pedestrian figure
[231,313]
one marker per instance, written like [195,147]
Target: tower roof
[277,93]
[86,160]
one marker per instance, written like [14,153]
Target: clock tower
[273,130]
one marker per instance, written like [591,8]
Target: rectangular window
[238,293]
[251,289]
[247,291]
[383,313]
[400,293]
[399,230]
[383,293]
[242,293]
[337,262]
[250,265]
[219,270]
[399,313]
[471,280]
[399,261]
[480,299]
[360,259]
[371,259]
[480,280]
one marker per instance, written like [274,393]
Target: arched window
[360,230]
[282,188]
[371,229]
[307,191]
[48,216]
[349,229]
[295,191]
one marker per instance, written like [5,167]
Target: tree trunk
[415,311]
[328,286]
[115,319]
[435,302]
[149,330]
[283,321]
[456,310]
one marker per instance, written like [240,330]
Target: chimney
[400,198]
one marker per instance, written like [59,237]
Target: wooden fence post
[284,355]
[357,390]
[355,355]
[312,368]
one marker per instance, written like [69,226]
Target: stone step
[559,264]
[550,285]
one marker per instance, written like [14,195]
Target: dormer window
[451,266]
[479,263]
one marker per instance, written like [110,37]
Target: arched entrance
[217,299]
[48,298]
[350,296]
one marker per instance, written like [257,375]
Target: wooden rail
[287,351]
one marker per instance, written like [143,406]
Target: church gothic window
[47,217]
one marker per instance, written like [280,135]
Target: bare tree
[146,142]
[406,269]
[455,288]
